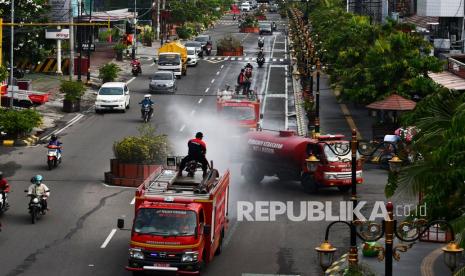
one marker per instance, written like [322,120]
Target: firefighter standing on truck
[197,151]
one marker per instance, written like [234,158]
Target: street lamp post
[89,42]
[79,35]
[317,99]
[389,229]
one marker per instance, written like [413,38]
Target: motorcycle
[260,61]
[53,156]
[36,207]
[3,203]
[146,113]
[136,69]
[234,17]
[273,26]
[261,43]
[208,49]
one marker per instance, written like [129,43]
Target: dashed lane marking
[129,81]
[206,90]
[108,239]
[217,73]
[213,80]
[200,100]
[182,128]
[193,112]
[222,66]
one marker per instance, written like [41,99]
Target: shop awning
[448,80]
[113,15]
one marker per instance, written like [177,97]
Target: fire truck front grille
[162,256]
[347,175]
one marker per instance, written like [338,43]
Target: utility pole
[79,35]
[89,42]
[71,41]
[59,72]
[12,36]
[134,40]
[158,19]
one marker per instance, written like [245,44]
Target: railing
[460,272]
[456,67]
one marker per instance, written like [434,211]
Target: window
[240,113]
[165,222]
[111,91]
[191,52]
[162,76]
[169,59]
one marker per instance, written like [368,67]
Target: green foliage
[371,61]
[115,34]
[17,123]
[108,72]
[3,73]
[148,34]
[147,148]
[73,90]
[308,105]
[249,21]
[228,43]
[104,35]
[185,32]
[119,47]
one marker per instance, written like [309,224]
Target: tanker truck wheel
[309,183]
[252,173]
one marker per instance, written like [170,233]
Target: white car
[245,6]
[192,56]
[112,96]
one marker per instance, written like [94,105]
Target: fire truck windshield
[343,152]
[239,113]
[165,222]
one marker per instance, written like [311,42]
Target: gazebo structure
[387,112]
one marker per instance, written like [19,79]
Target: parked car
[163,81]
[273,8]
[265,28]
[192,56]
[113,96]
[197,45]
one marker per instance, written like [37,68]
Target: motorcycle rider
[197,151]
[273,26]
[146,101]
[241,80]
[260,54]
[261,41]
[37,188]
[136,62]
[4,189]
[55,142]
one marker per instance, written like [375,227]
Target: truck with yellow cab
[172,56]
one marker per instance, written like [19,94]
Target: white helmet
[147,96]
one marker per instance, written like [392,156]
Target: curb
[298,102]
[30,140]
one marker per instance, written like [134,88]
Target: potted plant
[137,157]
[119,49]
[229,46]
[73,91]
[260,13]
[249,24]
[17,124]
[108,72]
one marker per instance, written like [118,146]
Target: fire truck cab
[241,110]
[179,222]
[284,154]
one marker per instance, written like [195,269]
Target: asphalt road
[71,238]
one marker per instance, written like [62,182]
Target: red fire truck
[179,221]
[284,154]
[242,110]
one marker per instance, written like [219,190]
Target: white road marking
[213,80]
[129,81]
[107,240]
[286,108]
[153,64]
[281,59]
[193,112]
[200,100]
[274,59]
[239,58]
[272,48]
[133,201]
[182,128]
[90,265]
[222,65]
[217,73]
[206,90]
[70,123]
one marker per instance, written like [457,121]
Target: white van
[245,6]
[112,96]
[192,56]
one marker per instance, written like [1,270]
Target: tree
[17,123]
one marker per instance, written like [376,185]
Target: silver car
[163,81]
[197,45]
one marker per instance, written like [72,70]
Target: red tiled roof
[448,80]
[420,21]
[393,102]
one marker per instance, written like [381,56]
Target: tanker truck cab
[170,62]
[283,154]
[240,110]
[179,222]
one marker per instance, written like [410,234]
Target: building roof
[420,21]
[448,80]
[113,15]
[393,102]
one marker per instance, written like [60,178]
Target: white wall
[441,8]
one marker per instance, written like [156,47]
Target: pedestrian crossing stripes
[231,58]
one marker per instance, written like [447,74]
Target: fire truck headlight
[190,257]
[330,176]
[359,174]
[136,253]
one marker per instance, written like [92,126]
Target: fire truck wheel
[344,189]
[251,173]
[309,183]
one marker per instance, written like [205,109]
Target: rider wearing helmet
[55,142]
[4,188]
[39,189]
[197,151]
[146,101]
